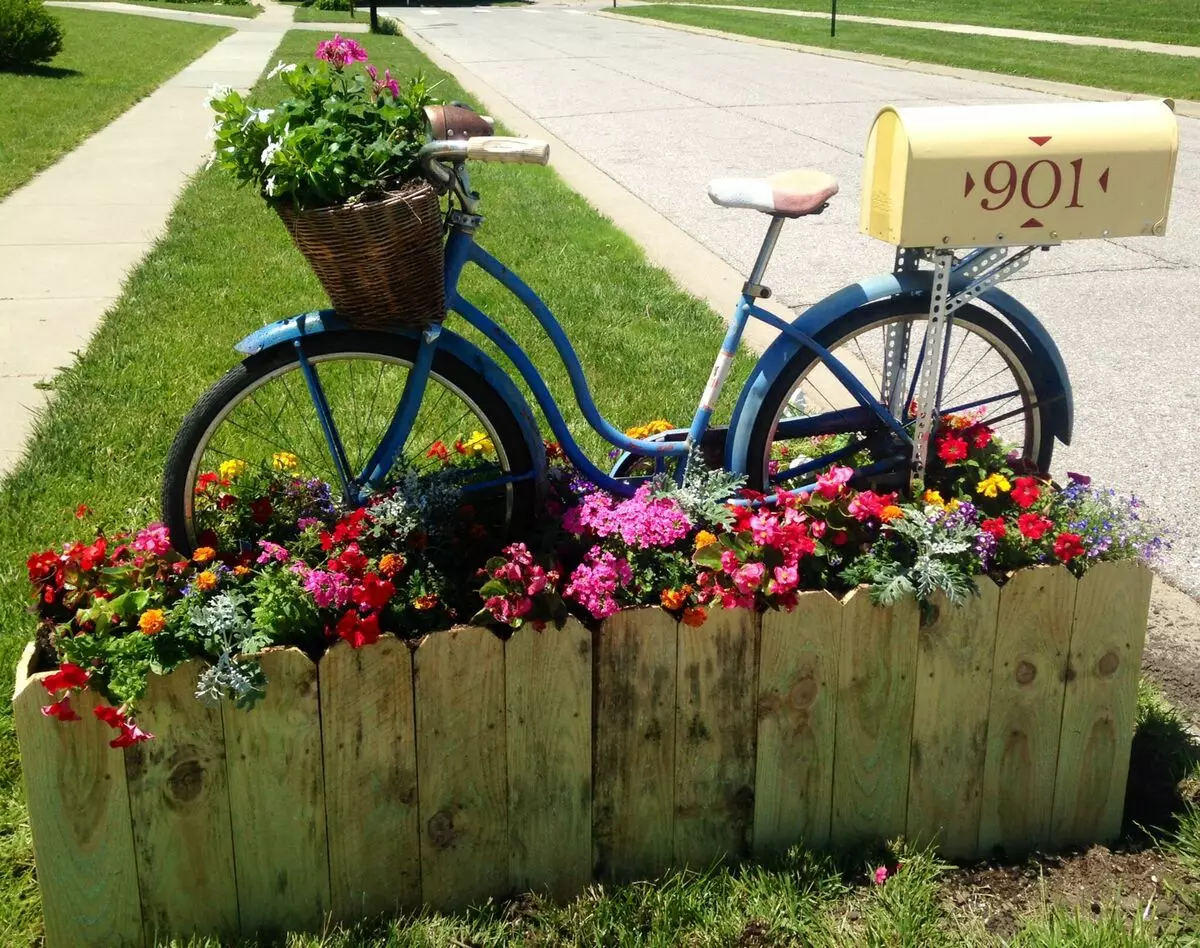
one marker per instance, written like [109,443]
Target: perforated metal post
[895,343]
[935,341]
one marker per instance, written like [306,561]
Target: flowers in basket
[343,134]
[279,564]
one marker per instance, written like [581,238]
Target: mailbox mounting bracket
[982,268]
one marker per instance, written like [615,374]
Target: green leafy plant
[29,35]
[342,136]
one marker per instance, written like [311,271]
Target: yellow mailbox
[996,175]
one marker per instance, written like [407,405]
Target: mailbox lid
[1019,174]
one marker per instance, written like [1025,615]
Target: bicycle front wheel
[260,417]
[988,374]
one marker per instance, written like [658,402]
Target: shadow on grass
[42,72]
[1164,770]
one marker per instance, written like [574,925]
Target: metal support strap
[935,342]
[895,342]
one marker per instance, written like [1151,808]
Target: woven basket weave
[379,261]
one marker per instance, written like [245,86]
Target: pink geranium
[596,579]
[340,51]
[830,485]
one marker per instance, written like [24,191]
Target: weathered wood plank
[277,800]
[370,759]
[461,767]
[548,685]
[950,717]
[1107,636]
[633,808]
[797,689]
[877,667]
[715,737]
[179,800]
[78,803]
[1033,633]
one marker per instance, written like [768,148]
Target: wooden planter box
[468,767]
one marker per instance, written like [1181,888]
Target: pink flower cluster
[387,82]
[641,521]
[154,539]
[340,51]
[513,580]
[596,579]
[329,589]
[764,558]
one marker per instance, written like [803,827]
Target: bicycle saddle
[787,194]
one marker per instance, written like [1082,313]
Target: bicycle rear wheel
[989,373]
[260,416]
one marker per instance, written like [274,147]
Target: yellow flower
[284,461]
[206,581]
[992,485]
[953,505]
[203,554]
[479,443]
[231,469]
[703,539]
[642,432]
[152,621]
[890,512]
[934,499]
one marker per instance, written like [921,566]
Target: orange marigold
[695,616]
[203,554]
[703,539]
[206,580]
[428,601]
[241,571]
[152,621]
[391,563]
[675,598]
[890,512]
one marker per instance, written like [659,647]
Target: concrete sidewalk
[1069,39]
[70,236]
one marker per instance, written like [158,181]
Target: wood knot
[441,829]
[1108,664]
[803,693]
[1026,672]
[186,781]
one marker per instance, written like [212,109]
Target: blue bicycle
[865,373]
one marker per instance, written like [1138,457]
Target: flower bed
[347,757]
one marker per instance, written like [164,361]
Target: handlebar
[525,151]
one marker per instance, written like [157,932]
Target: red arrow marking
[970,184]
[1032,222]
[1104,181]
[1040,140]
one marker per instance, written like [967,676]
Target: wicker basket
[379,261]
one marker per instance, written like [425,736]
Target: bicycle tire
[1041,437]
[180,471]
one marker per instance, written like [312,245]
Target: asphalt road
[662,111]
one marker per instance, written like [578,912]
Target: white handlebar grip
[523,151]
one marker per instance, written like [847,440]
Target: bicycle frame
[461,250]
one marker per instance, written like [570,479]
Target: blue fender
[911,291]
[323,321]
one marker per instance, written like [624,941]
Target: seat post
[754,285]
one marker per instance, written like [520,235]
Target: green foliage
[282,609]
[919,555]
[28,34]
[341,135]
[333,5]
[385,26]
[704,493]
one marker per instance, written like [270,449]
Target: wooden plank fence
[465,767]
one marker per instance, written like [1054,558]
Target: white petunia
[272,149]
[281,66]
[270,188]
[262,116]
[216,93]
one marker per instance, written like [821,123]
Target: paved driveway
[662,111]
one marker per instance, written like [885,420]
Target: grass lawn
[186,6]
[313,15]
[108,62]
[225,267]
[1163,21]
[1125,70]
